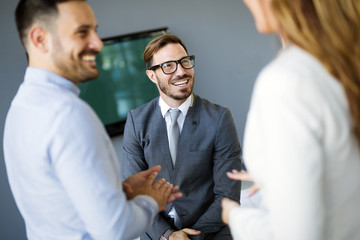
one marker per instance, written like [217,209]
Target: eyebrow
[87,26]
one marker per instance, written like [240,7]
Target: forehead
[172,51]
[75,14]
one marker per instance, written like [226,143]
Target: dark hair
[158,43]
[29,11]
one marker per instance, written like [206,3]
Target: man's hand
[183,234]
[243,176]
[174,194]
[227,205]
[160,191]
[142,183]
[135,182]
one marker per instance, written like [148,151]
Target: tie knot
[174,113]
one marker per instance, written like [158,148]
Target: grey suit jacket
[207,149]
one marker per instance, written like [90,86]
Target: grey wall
[229,54]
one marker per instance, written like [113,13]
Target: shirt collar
[183,107]
[43,76]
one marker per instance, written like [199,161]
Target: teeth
[89,58]
[180,83]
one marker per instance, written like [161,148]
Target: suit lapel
[188,132]
[161,138]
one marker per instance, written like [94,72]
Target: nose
[180,70]
[95,42]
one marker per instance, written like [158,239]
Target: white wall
[229,54]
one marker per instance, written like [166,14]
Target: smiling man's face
[75,42]
[175,87]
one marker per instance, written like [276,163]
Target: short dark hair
[156,44]
[29,11]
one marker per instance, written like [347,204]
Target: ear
[151,76]
[38,39]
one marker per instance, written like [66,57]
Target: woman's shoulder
[295,69]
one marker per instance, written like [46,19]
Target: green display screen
[122,84]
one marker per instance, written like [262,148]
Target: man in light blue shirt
[62,168]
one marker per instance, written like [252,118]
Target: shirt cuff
[147,202]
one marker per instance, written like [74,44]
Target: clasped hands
[142,183]
[163,193]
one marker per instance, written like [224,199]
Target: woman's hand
[243,176]
[227,205]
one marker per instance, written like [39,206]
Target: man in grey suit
[198,160]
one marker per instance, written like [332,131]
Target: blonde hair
[330,31]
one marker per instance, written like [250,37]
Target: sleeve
[226,156]
[283,152]
[134,162]
[86,165]
[133,154]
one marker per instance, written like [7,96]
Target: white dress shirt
[301,152]
[62,167]
[181,118]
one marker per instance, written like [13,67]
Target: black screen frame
[117,128]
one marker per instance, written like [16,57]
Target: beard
[177,94]
[70,68]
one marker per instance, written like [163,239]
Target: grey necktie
[174,133]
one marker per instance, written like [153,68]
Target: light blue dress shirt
[62,168]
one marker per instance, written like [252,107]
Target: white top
[62,167]
[299,148]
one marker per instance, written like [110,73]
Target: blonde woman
[302,139]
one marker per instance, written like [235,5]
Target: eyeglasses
[170,67]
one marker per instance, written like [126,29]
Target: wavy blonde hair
[329,30]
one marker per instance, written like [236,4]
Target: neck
[173,103]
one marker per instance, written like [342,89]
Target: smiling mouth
[89,58]
[180,83]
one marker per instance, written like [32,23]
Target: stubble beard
[179,95]
[70,69]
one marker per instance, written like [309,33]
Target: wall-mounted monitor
[122,83]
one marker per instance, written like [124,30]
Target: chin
[89,78]
[182,96]
[266,28]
